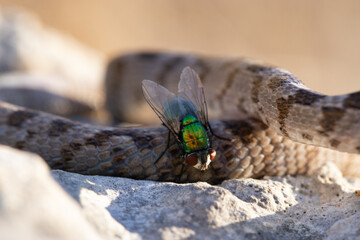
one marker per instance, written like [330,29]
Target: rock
[274,208]
[34,206]
[27,46]
[46,59]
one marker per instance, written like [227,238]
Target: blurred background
[56,51]
[318,41]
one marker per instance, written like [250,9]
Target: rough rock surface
[33,206]
[33,56]
[323,206]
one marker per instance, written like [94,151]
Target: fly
[185,115]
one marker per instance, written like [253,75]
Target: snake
[272,124]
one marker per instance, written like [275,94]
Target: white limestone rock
[274,208]
[34,206]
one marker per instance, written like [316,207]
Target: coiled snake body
[277,126]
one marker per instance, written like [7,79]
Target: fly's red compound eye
[192,159]
[212,154]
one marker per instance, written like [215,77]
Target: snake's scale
[277,126]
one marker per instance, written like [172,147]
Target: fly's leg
[167,147]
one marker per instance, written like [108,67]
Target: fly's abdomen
[194,135]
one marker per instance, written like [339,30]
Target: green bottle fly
[185,115]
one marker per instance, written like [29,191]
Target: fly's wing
[157,96]
[191,88]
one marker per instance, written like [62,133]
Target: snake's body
[277,126]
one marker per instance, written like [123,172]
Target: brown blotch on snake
[101,137]
[282,80]
[331,116]
[75,146]
[304,97]
[59,126]
[117,149]
[66,153]
[307,136]
[16,119]
[104,136]
[277,82]
[334,142]
[283,107]
[243,129]
[352,101]
[142,140]
[119,158]
[91,141]
[301,97]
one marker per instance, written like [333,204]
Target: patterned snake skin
[277,126]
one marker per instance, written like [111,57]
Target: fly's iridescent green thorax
[194,135]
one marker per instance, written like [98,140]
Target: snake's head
[202,159]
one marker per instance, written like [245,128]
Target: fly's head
[201,159]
